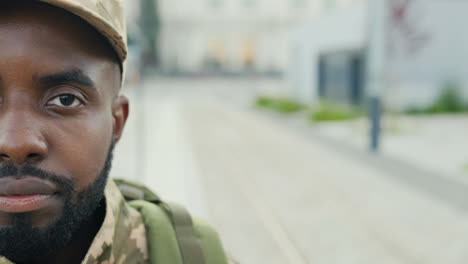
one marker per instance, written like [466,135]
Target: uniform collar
[122,237]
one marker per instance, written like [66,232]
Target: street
[278,194]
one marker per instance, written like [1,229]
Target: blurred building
[229,36]
[426,47]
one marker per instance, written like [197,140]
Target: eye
[65,100]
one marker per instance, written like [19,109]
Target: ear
[120,110]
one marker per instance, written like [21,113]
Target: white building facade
[229,35]
[427,45]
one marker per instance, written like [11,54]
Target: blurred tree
[405,22]
[450,100]
[150,25]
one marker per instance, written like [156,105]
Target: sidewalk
[330,208]
[279,195]
[435,143]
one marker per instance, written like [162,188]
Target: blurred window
[217,51]
[248,52]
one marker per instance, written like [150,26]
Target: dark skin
[59,105]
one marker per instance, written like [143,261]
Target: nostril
[33,156]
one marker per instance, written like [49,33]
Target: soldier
[61,113]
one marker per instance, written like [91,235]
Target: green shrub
[263,101]
[286,105]
[334,112]
[414,110]
[465,168]
[280,104]
[449,101]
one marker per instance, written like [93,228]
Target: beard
[21,241]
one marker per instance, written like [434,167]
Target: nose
[21,140]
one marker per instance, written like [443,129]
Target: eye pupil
[67,99]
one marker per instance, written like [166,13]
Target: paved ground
[279,194]
[431,142]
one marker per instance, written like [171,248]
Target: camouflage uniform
[122,237]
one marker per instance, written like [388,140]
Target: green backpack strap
[193,239]
[189,243]
[163,246]
[135,191]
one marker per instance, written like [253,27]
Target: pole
[374,115]
[376,75]
[150,24]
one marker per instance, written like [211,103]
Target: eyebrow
[75,76]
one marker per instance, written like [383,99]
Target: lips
[23,186]
[25,194]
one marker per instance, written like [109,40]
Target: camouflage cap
[106,16]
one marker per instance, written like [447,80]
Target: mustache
[13,170]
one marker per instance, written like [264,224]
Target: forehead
[49,37]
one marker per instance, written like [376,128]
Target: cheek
[79,147]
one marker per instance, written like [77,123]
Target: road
[277,194]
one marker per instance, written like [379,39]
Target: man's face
[59,114]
